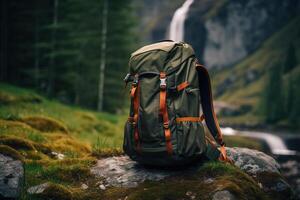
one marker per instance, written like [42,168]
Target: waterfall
[275,143]
[176,31]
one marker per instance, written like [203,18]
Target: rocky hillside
[234,29]
[246,85]
[222,32]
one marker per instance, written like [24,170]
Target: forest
[62,49]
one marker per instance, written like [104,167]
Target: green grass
[33,127]
[87,126]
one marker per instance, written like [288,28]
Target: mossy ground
[33,127]
[196,186]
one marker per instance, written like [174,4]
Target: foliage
[56,48]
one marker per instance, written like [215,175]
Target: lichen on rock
[11,177]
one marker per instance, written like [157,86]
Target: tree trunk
[103,55]
[51,67]
[3,47]
[36,48]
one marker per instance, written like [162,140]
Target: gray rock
[84,186]
[252,161]
[223,195]
[11,177]
[38,189]
[121,171]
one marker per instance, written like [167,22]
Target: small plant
[36,137]
[99,144]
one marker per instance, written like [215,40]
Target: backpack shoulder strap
[208,109]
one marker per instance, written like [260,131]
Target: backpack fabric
[169,91]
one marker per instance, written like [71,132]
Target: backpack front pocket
[190,138]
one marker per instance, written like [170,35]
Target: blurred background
[72,55]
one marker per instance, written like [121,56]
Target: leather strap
[164,112]
[183,85]
[208,109]
[134,94]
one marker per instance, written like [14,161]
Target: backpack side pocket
[190,139]
[128,142]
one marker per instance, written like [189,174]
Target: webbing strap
[182,86]
[134,94]
[190,119]
[164,112]
[208,109]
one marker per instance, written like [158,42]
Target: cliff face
[222,32]
[231,30]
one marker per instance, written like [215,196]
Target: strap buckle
[126,79]
[163,83]
[135,80]
[166,125]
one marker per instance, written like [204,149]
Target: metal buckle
[166,125]
[126,79]
[135,80]
[163,83]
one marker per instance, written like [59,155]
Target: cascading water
[176,31]
[275,143]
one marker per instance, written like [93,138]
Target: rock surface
[223,195]
[123,172]
[252,161]
[38,189]
[11,177]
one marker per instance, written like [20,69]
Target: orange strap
[163,111]
[183,85]
[190,119]
[134,93]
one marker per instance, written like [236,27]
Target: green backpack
[164,127]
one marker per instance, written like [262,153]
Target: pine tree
[273,102]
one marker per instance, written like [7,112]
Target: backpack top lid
[161,56]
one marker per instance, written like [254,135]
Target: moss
[7,98]
[272,180]
[17,142]
[34,155]
[46,149]
[223,176]
[56,191]
[65,173]
[107,152]
[6,150]
[45,124]
[71,146]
